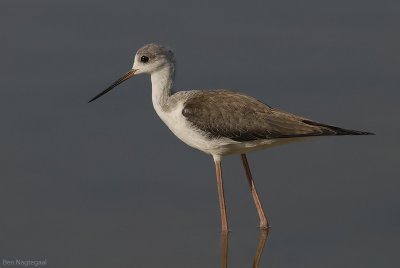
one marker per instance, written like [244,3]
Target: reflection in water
[260,247]
[224,249]
[257,256]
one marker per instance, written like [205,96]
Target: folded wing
[229,114]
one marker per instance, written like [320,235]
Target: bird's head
[151,58]
[148,59]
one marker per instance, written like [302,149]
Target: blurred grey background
[107,185]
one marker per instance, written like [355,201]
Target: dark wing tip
[332,130]
[366,133]
[356,132]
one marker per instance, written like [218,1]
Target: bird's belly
[219,146]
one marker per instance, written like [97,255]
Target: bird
[220,122]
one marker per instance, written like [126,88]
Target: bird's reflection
[224,249]
[257,257]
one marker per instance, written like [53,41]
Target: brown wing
[229,114]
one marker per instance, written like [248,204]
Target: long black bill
[116,83]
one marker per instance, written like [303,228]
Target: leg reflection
[224,249]
[260,248]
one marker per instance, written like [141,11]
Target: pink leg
[222,207]
[263,220]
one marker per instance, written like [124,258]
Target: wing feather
[222,113]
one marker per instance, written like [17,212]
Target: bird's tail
[332,130]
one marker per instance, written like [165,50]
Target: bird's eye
[144,59]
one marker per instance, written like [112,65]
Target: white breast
[178,124]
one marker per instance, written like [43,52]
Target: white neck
[161,83]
